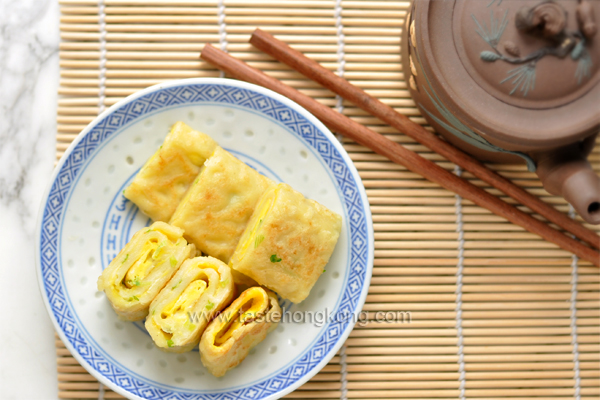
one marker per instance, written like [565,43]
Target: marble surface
[29,74]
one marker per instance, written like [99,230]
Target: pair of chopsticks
[398,153]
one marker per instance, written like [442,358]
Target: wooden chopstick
[314,71]
[398,154]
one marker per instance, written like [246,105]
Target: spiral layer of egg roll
[165,178]
[230,336]
[142,268]
[201,288]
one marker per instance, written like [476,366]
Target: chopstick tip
[207,46]
[259,34]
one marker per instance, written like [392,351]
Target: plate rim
[208,81]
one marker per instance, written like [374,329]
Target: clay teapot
[512,81]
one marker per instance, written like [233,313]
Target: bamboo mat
[495,312]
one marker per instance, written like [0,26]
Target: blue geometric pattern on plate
[182,95]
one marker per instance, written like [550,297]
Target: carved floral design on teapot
[547,20]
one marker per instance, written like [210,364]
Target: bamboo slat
[518,319]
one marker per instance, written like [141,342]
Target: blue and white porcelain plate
[85,220]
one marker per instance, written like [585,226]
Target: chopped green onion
[224,283]
[173,288]
[324,270]
[173,261]
[170,343]
[274,258]
[158,250]
[148,230]
[136,281]
[259,239]
[125,259]
[132,298]
[210,305]
[189,325]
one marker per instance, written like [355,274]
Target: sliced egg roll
[216,209]
[137,274]
[201,288]
[165,178]
[287,242]
[245,323]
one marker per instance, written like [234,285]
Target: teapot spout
[566,172]
[582,190]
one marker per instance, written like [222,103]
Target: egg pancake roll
[287,242]
[218,206]
[142,268]
[201,288]
[230,336]
[165,178]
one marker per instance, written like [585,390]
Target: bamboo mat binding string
[530,314]
[459,278]
[340,108]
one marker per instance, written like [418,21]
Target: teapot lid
[525,73]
